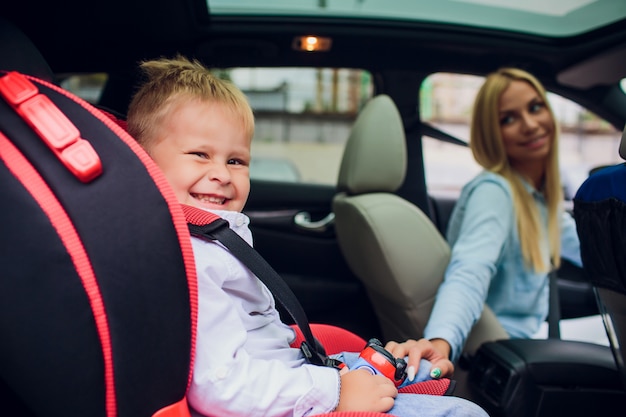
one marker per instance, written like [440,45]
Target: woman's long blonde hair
[488,149]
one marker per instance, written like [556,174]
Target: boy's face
[204,152]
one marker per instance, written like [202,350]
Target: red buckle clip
[56,130]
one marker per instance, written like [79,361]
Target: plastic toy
[376,359]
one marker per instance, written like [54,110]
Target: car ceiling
[114,35]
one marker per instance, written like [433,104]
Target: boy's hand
[436,351]
[362,391]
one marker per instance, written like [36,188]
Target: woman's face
[526,125]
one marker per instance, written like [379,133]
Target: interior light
[311,43]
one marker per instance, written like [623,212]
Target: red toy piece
[376,359]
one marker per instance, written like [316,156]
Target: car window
[586,140]
[86,86]
[303,117]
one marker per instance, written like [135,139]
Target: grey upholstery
[388,242]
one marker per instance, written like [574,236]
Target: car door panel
[310,261]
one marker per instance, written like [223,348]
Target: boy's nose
[219,172]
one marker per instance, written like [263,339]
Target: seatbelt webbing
[554,314]
[212,227]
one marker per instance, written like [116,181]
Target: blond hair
[488,149]
[171,80]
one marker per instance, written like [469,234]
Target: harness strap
[210,226]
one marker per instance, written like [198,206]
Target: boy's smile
[204,151]
[208,199]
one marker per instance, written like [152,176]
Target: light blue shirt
[487,265]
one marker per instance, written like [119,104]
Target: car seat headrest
[18,53]
[375,156]
[622,145]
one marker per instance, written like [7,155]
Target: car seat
[600,214]
[388,242]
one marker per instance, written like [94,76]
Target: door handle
[303,221]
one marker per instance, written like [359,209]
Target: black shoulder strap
[212,227]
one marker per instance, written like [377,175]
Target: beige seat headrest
[375,158]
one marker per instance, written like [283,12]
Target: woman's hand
[436,351]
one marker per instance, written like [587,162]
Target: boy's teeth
[210,199]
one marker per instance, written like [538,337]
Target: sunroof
[557,18]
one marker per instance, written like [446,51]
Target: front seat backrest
[600,214]
[388,242]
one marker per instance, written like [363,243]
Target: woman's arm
[486,224]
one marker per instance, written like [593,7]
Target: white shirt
[243,362]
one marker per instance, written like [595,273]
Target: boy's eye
[235,161]
[199,154]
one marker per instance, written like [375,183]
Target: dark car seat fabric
[600,210]
[600,214]
[97,296]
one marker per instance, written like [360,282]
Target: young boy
[198,129]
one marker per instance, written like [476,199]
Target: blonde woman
[508,229]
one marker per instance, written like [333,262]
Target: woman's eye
[506,120]
[535,107]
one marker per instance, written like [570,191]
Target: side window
[86,86]
[446,103]
[586,141]
[303,118]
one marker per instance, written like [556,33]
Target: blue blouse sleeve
[479,229]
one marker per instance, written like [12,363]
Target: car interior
[366,250]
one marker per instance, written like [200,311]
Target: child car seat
[97,296]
